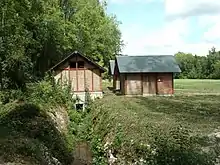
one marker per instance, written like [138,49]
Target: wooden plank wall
[96,80]
[89,81]
[82,79]
[72,78]
[148,83]
[152,84]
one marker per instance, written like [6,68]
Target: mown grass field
[195,105]
[198,87]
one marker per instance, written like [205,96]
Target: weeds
[153,131]
[27,129]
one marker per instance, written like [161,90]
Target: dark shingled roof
[149,63]
[112,66]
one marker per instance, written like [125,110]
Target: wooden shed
[145,75]
[83,75]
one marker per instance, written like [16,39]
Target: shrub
[45,92]
[7,96]
[30,126]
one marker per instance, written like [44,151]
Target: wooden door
[146,84]
[134,85]
[149,84]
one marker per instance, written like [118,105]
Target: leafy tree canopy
[36,34]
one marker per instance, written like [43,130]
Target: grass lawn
[189,86]
[199,113]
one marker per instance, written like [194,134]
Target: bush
[46,92]
[7,96]
[33,132]
[31,126]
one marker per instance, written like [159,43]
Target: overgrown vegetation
[28,129]
[36,116]
[154,130]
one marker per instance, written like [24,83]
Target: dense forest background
[199,67]
[36,34]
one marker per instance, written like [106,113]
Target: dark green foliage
[99,155]
[47,93]
[118,139]
[199,67]
[34,36]
[37,34]
[28,131]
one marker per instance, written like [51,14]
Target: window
[79,107]
[72,64]
[80,64]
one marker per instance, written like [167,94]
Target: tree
[199,67]
[37,34]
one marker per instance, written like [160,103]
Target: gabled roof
[79,54]
[149,63]
[112,66]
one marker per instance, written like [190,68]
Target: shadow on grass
[110,88]
[114,91]
[28,131]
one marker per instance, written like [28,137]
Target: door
[134,85]
[149,84]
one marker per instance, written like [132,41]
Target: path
[82,155]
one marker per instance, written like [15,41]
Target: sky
[165,27]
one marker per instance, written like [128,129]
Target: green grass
[199,112]
[188,86]
[195,106]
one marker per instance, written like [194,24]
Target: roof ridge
[82,55]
